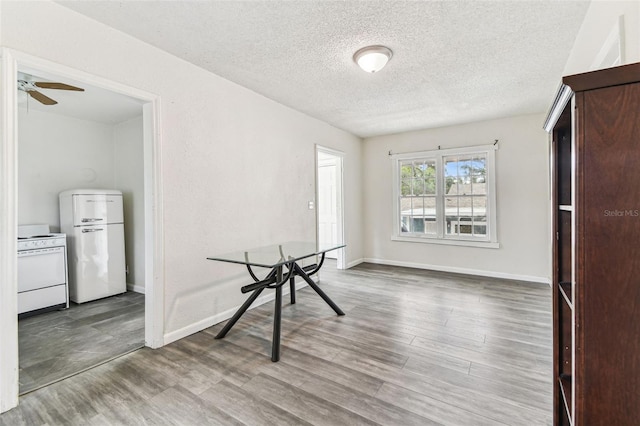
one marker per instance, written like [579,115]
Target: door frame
[11,61]
[341,253]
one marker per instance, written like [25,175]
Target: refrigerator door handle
[91,219]
[92,230]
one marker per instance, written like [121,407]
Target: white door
[329,201]
[327,205]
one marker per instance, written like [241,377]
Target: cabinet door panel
[610,289]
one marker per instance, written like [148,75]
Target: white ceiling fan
[30,87]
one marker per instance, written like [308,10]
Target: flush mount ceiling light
[372,58]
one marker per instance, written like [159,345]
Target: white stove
[42,270]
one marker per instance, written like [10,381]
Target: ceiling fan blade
[58,86]
[41,98]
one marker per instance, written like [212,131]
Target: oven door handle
[40,251]
[85,230]
[91,219]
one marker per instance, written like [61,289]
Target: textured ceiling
[454,61]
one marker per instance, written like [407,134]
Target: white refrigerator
[94,223]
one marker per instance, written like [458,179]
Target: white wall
[238,169]
[601,17]
[56,153]
[522,187]
[129,178]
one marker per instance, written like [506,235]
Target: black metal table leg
[303,274]
[239,313]
[292,291]
[277,320]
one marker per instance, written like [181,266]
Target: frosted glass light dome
[372,58]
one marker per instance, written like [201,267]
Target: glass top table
[283,260]
[277,254]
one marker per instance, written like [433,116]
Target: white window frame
[491,239]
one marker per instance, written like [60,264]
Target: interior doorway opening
[93,143]
[329,200]
[148,231]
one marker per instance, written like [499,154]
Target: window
[446,196]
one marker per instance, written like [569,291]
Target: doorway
[91,139]
[149,250]
[330,205]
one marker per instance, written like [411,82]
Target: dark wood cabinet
[595,150]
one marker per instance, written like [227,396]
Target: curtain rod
[429,150]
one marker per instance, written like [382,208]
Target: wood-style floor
[57,344]
[415,348]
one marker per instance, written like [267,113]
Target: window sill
[447,242]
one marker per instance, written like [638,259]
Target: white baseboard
[354,263]
[215,319]
[479,272]
[135,288]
